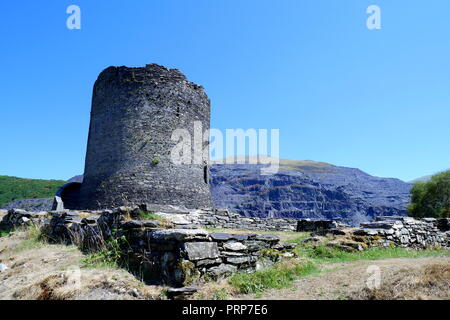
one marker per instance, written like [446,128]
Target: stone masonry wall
[229,220]
[128,160]
[408,232]
[175,250]
[174,254]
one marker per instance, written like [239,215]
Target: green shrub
[4,232]
[432,198]
[111,256]
[156,160]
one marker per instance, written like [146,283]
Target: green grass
[149,215]
[279,276]
[309,258]
[110,257]
[99,260]
[35,239]
[216,294]
[323,254]
[4,232]
[13,188]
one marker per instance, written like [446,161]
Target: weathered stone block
[234,246]
[267,237]
[238,260]
[208,262]
[179,234]
[200,250]
[254,245]
[221,271]
[216,236]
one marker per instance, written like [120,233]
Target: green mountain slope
[13,188]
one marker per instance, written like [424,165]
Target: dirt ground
[401,278]
[43,271]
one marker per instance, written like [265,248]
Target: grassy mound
[13,188]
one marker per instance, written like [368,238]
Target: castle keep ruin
[128,160]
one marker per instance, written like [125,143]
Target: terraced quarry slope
[308,189]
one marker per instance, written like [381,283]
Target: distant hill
[425,178]
[422,179]
[13,188]
[307,189]
[285,165]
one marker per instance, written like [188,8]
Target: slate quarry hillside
[307,189]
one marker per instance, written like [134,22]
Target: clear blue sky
[377,100]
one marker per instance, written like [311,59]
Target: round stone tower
[128,161]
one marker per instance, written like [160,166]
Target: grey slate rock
[238,260]
[254,245]
[208,262]
[179,234]
[337,193]
[200,250]
[181,293]
[141,224]
[234,246]
[222,271]
[216,236]
[267,237]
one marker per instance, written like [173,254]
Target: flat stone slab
[219,236]
[369,232]
[201,250]
[238,260]
[179,234]
[141,224]
[234,246]
[181,293]
[380,224]
[267,237]
[285,245]
[208,262]
[166,208]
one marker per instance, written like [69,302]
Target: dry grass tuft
[53,287]
[215,291]
[431,282]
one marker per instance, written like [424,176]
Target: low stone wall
[183,256]
[230,220]
[174,254]
[176,251]
[307,225]
[408,232]
[15,218]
